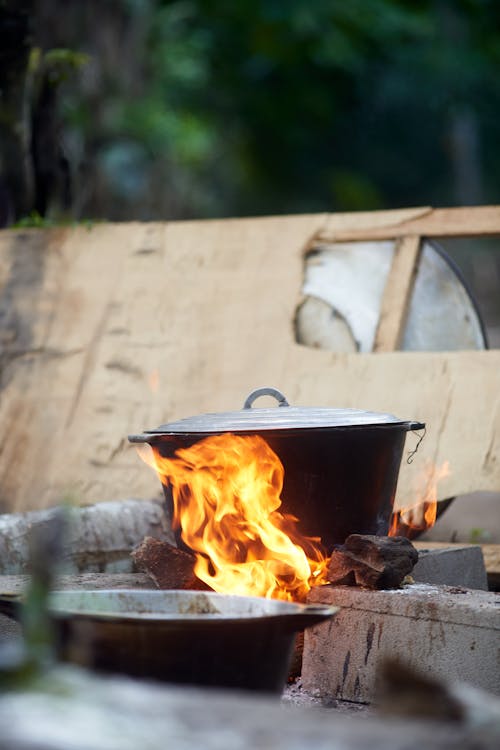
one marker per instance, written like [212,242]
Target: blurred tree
[195,108]
[15,42]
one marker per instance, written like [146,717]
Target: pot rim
[254,609]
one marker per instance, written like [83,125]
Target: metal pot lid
[277,418]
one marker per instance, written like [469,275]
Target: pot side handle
[311,614]
[415,426]
[266,391]
[142,438]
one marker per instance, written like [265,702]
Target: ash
[295,695]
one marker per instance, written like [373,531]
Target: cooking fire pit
[340,466]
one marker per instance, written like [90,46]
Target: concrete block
[451,633]
[452,566]
[9,629]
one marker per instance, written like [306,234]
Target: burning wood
[420,516]
[375,562]
[168,566]
[226,492]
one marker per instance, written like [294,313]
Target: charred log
[168,566]
[375,562]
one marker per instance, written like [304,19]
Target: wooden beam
[481,221]
[397,294]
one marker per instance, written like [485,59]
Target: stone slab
[97,537]
[17,584]
[453,566]
[450,633]
[72,709]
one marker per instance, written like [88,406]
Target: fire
[226,493]
[422,514]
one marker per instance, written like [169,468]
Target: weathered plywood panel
[425,221]
[456,393]
[205,310]
[90,315]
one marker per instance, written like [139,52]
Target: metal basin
[184,637]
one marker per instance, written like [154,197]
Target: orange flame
[226,493]
[422,514]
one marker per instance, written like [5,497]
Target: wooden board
[119,328]
[427,222]
[397,294]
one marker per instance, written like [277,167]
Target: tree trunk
[15,169]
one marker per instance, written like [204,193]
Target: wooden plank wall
[108,331]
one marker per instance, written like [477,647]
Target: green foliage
[57,64]
[21,663]
[192,107]
[35,221]
[479,536]
[308,106]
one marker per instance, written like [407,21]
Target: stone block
[97,537]
[452,566]
[9,629]
[451,633]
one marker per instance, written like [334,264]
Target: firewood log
[168,566]
[375,562]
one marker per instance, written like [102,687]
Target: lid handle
[280,398]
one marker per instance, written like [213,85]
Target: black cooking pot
[185,637]
[341,465]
